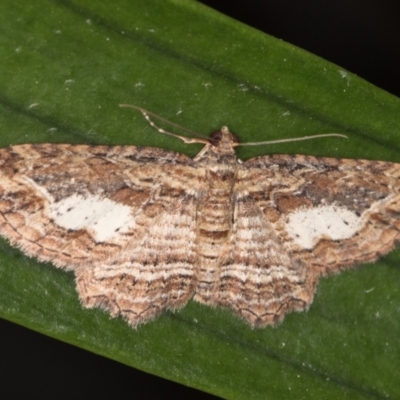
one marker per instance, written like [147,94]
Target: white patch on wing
[307,226]
[102,217]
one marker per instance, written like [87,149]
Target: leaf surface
[66,65]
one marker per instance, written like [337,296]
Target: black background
[361,36]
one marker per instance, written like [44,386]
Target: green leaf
[66,65]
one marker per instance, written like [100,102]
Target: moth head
[223,139]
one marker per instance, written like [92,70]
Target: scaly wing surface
[121,217]
[297,218]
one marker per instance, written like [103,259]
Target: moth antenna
[148,114]
[323,135]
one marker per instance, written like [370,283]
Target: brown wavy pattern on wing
[153,272]
[258,278]
[32,177]
[283,184]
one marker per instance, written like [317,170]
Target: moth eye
[215,138]
[235,138]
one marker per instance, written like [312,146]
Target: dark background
[361,36]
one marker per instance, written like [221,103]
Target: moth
[146,229]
